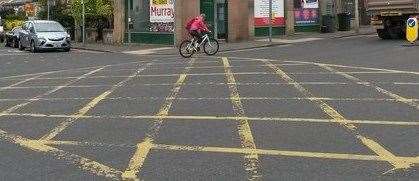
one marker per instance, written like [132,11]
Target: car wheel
[15,43]
[33,47]
[6,43]
[21,47]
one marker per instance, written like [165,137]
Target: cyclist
[197,27]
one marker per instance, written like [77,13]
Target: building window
[152,16]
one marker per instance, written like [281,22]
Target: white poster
[162,11]
[261,12]
[310,4]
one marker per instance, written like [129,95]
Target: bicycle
[189,47]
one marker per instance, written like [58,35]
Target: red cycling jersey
[198,24]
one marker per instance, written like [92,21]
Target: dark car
[12,37]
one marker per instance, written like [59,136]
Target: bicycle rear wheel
[186,49]
[211,47]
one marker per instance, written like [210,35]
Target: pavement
[260,42]
[330,109]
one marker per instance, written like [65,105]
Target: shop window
[160,20]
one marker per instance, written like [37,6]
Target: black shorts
[196,34]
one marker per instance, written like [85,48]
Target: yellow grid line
[370,84]
[218,98]
[210,67]
[214,74]
[252,164]
[370,143]
[36,98]
[20,82]
[271,152]
[211,83]
[79,161]
[243,59]
[144,147]
[187,118]
[65,124]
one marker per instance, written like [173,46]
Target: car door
[24,34]
[31,33]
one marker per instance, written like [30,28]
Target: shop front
[162,21]
[150,21]
[261,17]
[306,15]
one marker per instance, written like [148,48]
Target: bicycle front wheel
[211,47]
[186,49]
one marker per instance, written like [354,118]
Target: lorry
[389,17]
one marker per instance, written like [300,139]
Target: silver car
[43,35]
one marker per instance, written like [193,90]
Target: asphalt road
[332,109]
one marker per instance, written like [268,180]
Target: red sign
[278,21]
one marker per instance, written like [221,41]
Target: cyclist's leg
[194,35]
[200,36]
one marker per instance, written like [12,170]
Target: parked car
[1,34]
[43,35]
[12,37]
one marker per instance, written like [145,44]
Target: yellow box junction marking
[187,118]
[192,148]
[144,147]
[61,127]
[20,82]
[371,144]
[80,162]
[242,59]
[36,98]
[399,98]
[252,165]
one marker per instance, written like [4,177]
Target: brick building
[163,21]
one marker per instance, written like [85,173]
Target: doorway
[216,12]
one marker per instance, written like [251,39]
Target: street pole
[289,17]
[83,22]
[270,21]
[48,9]
[356,25]
[129,22]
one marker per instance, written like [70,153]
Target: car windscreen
[49,27]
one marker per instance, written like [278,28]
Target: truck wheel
[383,34]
